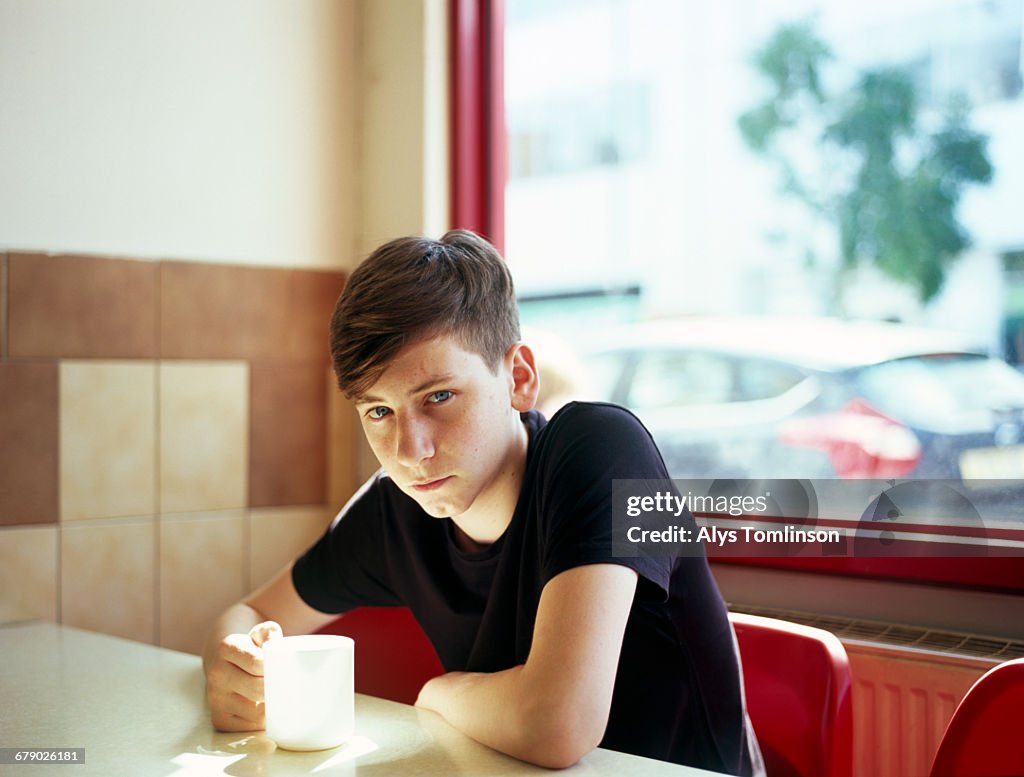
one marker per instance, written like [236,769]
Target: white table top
[140,710]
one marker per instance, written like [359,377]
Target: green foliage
[791,63]
[891,188]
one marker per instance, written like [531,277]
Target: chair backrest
[393,656]
[985,737]
[799,696]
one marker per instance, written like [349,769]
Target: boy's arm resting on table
[553,709]
[233,656]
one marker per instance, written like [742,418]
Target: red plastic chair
[985,737]
[799,696]
[393,656]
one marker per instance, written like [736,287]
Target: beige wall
[249,131]
[221,130]
[224,152]
[404,144]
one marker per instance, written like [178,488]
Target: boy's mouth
[430,485]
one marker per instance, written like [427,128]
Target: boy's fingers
[261,632]
[232,679]
[241,707]
[242,651]
[229,721]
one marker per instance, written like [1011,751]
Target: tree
[888,185]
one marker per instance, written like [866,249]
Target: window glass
[958,394]
[848,168]
[764,380]
[669,379]
[606,373]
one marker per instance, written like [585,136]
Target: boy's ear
[525,381]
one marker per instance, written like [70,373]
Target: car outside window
[680,379]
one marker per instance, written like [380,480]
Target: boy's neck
[486,521]
[464,542]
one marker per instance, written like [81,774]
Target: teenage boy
[494,526]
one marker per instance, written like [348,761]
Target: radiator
[907,682]
[902,701]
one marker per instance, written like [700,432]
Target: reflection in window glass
[764,380]
[954,393]
[680,379]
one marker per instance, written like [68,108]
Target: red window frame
[479,167]
[479,171]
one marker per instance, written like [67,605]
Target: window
[633,163]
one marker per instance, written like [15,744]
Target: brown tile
[288,434]
[3,306]
[213,311]
[222,312]
[313,296]
[81,307]
[28,443]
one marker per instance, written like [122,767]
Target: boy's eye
[377,412]
[440,396]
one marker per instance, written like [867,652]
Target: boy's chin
[433,509]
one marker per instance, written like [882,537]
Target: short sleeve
[589,445]
[348,566]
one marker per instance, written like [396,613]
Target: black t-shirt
[677,693]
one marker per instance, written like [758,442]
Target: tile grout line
[60,571]
[60,516]
[158,518]
[247,518]
[247,551]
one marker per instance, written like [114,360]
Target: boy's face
[447,430]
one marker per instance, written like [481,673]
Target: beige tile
[201,573]
[107,439]
[277,536]
[28,573]
[204,436]
[108,577]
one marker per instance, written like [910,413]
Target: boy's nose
[415,442]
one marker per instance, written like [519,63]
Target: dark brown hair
[413,288]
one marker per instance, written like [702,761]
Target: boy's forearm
[502,711]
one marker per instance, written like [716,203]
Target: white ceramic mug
[309,690]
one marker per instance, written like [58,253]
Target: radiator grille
[932,640]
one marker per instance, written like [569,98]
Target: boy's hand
[234,680]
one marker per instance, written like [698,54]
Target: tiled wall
[170,436]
